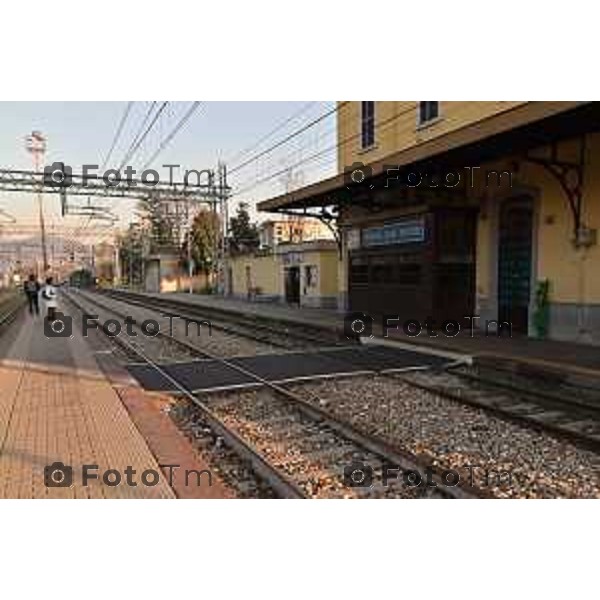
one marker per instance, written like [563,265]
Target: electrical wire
[117,134]
[288,138]
[337,146]
[167,140]
[271,132]
[142,136]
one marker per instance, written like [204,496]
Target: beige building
[454,209]
[105,263]
[299,274]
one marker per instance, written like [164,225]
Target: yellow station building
[454,209]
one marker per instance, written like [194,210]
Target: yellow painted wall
[329,274]
[327,279]
[264,274]
[396,126]
[574,273]
[267,273]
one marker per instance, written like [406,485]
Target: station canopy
[508,134]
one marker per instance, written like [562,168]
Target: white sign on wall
[353,239]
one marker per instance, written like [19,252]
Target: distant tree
[162,232]
[205,229]
[244,236]
[130,246]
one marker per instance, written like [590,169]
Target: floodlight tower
[36,145]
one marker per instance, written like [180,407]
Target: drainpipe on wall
[583,333]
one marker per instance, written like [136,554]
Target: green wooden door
[514,262]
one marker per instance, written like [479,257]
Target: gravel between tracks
[308,452]
[450,435]
[453,436]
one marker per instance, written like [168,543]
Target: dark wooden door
[292,285]
[514,262]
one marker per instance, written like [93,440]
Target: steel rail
[517,392]
[524,419]
[389,454]
[283,487]
[8,316]
[256,323]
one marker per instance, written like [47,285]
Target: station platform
[58,406]
[570,361]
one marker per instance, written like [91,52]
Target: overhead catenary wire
[108,156]
[317,155]
[138,142]
[288,138]
[139,132]
[167,140]
[135,144]
[299,151]
[271,133]
[117,134]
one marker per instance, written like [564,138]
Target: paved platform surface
[568,357]
[57,406]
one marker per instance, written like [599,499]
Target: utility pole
[190,226]
[223,233]
[117,260]
[36,145]
[143,262]
[130,282]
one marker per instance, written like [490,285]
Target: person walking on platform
[49,296]
[32,289]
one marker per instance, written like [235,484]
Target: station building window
[428,111]
[367,121]
[310,276]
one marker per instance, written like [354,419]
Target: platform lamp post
[36,146]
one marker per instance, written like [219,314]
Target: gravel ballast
[467,440]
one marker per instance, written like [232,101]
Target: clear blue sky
[81,132]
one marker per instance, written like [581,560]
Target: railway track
[559,412]
[294,449]
[255,328]
[9,309]
[567,418]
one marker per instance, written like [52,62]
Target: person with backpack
[32,289]
[49,295]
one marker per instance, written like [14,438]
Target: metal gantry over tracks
[206,186]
